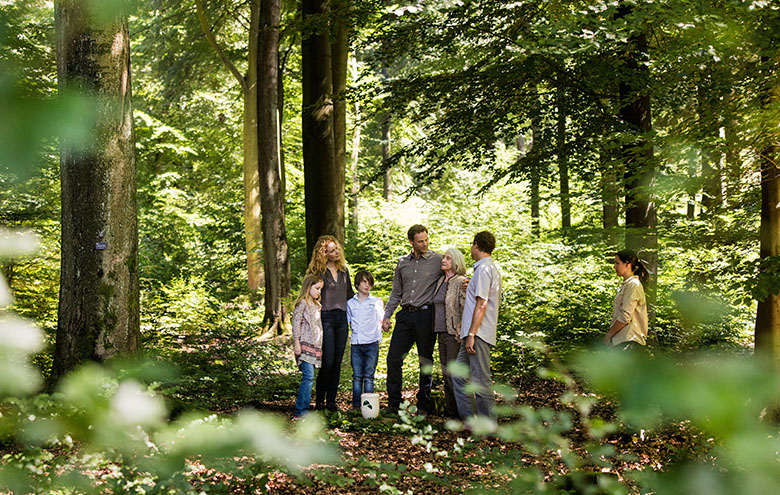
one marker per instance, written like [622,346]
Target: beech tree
[767,330]
[323,179]
[275,251]
[263,181]
[98,314]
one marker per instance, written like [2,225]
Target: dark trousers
[448,353]
[334,340]
[411,328]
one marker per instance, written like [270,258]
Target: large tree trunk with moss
[323,181]
[767,333]
[638,158]
[275,251]
[98,314]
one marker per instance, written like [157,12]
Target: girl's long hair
[308,282]
[637,267]
[319,259]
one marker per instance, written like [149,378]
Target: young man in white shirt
[478,331]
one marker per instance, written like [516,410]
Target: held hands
[470,344]
[385,325]
[464,284]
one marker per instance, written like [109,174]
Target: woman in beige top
[448,300]
[629,314]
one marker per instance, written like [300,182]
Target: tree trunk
[692,188]
[252,222]
[98,314]
[277,276]
[535,179]
[609,198]
[712,194]
[387,186]
[339,60]
[732,167]
[563,160]
[638,157]
[323,188]
[353,161]
[767,333]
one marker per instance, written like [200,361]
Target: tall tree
[767,332]
[98,314]
[355,151]
[563,158]
[638,150]
[248,83]
[340,10]
[263,179]
[275,251]
[323,189]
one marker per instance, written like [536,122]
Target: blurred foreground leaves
[731,400]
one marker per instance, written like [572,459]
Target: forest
[167,168]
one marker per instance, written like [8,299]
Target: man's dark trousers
[411,327]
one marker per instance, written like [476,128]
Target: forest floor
[380,456]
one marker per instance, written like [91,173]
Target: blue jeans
[304,392]
[334,340]
[364,358]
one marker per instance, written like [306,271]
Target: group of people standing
[438,302]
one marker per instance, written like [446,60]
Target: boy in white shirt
[364,314]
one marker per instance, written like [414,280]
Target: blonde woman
[448,300]
[327,262]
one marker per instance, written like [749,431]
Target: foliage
[113,423]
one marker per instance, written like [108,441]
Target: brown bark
[609,198]
[98,314]
[355,154]
[563,160]
[248,82]
[767,332]
[712,193]
[387,184]
[535,180]
[323,188]
[638,158]
[275,250]
[339,66]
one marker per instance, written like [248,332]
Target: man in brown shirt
[414,284]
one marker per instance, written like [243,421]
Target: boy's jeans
[364,358]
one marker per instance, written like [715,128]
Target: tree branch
[213,42]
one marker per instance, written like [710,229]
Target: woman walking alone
[629,314]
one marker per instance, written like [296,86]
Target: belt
[412,309]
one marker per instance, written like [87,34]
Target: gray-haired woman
[448,301]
